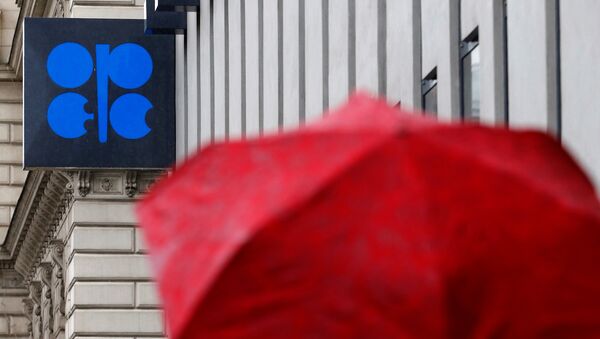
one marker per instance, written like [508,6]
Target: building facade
[72,262]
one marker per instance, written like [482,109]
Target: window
[470,77]
[429,90]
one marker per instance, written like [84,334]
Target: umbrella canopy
[378,223]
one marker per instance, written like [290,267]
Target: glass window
[429,90]
[470,77]
[430,98]
[471,85]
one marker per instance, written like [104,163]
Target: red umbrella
[376,223]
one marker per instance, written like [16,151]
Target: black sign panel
[164,22]
[98,94]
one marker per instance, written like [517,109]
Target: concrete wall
[532,64]
[259,66]
[403,46]
[109,287]
[9,14]
[580,81]
[264,65]
[13,324]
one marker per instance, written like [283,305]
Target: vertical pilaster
[45,273]
[35,294]
[579,43]
[532,70]
[58,290]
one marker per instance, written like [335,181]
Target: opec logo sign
[128,66]
[97,94]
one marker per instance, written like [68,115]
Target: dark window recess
[470,77]
[429,90]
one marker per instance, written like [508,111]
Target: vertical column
[338,52]
[291,63]
[35,294]
[404,53]
[219,60]
[235,69]
[313,33]
[367,75]
[45,273]
[272,73]
[531,52]
[191,75]
[58,289]
[490,20]
[180,102]
[253,78]
[580,82]
[206,90]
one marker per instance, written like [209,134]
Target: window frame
[428,84]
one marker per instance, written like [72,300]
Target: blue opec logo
[127,65]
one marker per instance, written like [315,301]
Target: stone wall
[109,288]
[13,323]
[74,263]
[12,175]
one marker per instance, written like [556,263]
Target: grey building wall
[260,66]
[254,67]
[532,64]
[580,81]
[108,280]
